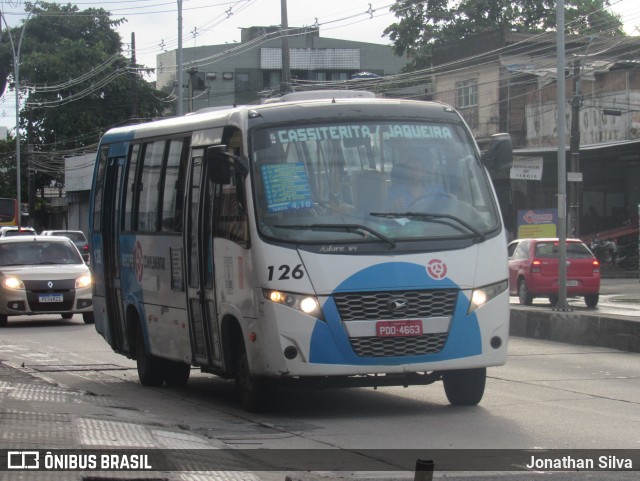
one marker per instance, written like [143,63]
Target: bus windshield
[370,182]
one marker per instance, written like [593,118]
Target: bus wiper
[340,227]
[430,216]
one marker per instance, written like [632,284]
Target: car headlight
[301,302]
[12,283]
[481,295]
[83,281]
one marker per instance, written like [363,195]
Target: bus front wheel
[464,387]
[254,392]
[149,366]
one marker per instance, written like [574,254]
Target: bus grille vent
[369,306]
[398,346]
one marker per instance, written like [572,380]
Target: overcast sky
[212,22]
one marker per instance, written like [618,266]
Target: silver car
[43,275]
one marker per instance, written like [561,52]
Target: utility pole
[134,75]
[574,149]
[285,84]
[179,108]
[562,167]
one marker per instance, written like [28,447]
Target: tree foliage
[8,168]
[423,24]
[75,81]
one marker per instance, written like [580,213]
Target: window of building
[272,78]
[467,93]
[242,82]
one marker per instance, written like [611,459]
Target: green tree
[75,81]
[424,24]
[8,168]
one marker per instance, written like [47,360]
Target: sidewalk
[614,323]
[36,415]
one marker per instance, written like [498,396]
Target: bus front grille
[369,306]
[398,346]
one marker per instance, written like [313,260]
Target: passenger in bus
[407,184]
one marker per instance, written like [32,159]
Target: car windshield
[575,250]
[374,182]
[38,253]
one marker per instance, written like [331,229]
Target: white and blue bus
[284,243]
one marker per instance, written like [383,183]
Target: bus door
[204,327]
[110,251]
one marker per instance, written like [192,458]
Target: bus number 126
[286,272]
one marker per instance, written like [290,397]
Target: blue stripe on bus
[329,341]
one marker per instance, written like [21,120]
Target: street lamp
[16,78]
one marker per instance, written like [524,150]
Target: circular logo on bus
[437,269]
[137,261]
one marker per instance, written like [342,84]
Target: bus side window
[99,188]
[174,180]
[150,186]
[230,215]
[130,191]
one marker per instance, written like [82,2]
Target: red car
[533,270]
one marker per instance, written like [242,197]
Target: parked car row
[534,270]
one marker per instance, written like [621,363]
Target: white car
[43,275]
[11,231]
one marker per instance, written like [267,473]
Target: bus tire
[176,374]
[150,370]
[254,393]
[88,318]
[4,319]
[464,387]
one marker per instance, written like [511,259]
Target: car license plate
[573,283]
[44,298]
[399,328]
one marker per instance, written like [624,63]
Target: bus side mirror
[218,164]
[500,151]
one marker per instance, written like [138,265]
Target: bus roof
[291,107]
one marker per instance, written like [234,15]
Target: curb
[576,328]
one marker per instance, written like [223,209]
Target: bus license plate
[44,298]
[399,328]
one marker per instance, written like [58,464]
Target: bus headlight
[482,295]
[301,302]
[83,281]
[12,283]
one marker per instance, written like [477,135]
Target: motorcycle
[603,249]
[625,256]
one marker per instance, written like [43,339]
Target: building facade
[507,82]
[240,73]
